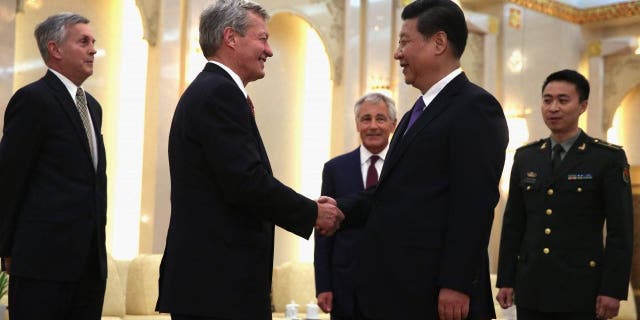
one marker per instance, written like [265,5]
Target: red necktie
[253,113]
[372,173]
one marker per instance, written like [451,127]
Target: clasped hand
[329,216]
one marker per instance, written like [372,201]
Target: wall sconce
[379,84]
[516,61]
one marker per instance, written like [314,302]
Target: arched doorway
[626,132]
[293,111]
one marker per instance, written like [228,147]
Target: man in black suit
[350,173]
[562,191]
[218,258]
[53,183]
[424,248]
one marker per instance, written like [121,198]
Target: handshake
[329,216]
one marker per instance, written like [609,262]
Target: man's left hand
[607,307]
[452,305]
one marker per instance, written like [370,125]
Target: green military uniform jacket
[552,250]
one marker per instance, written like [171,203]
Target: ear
[583,106]
[440,42]
[229,37]
[54,50]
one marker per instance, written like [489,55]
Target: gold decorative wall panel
[581,16]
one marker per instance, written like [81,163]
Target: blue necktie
[418,108]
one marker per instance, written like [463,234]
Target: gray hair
[375,97]
[225,13]
[54,28]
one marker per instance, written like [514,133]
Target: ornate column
[7,47]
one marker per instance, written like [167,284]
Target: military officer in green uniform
[554,261]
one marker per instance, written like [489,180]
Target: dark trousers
[53,300]
[528,314]
[358,311]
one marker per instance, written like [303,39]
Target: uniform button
[550,192]
[592,264]
[549,212]
[579,189]
[528,188]
[546,250]
[547,231]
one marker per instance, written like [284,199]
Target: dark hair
[571,76]
[440,15]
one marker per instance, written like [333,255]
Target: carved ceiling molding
[581,16]
[150,14]
[332,33]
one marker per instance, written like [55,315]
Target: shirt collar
[234,76]
[438,86]
[566,145]
[71,87]
[365,154]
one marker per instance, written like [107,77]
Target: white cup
[291,311]
[313,311]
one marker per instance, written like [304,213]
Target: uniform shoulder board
[533,143]
[602,143]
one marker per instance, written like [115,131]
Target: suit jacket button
[592,264]
[528,188]
[547,231]
[550,192]
[546,250]
[549,212]
[579,189]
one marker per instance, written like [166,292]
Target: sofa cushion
[142,284]
[148,317]
[293,281]
[114,294]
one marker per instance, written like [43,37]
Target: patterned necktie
[417,110]
[81,105]
[372,173]
[253,112]
[557,157]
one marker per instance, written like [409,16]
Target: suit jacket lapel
[212,67]
[395,140]
[354,169]
[542,163]
[69,106]
[433,110]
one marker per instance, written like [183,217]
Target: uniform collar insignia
[582,147]
[543,146]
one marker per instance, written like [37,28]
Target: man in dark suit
[562,191]
[53,183]
[218,258]
[350,173]
[424,248]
